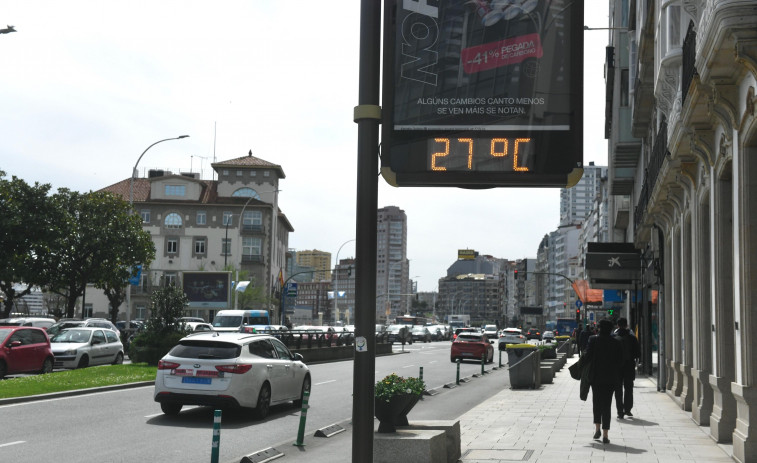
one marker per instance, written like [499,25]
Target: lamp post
[336,281]
[131,207]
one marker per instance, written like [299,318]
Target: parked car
[471,346]
[88,323]
[533,333]
[24,349]
[420,334]
[85,346]
[191,319]
[548,336]
[511,336]
[230,370]
[490,331]
[40,322]
[198,326]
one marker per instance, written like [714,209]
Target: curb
[75,392]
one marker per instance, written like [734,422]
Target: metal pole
[216,445]
[457,378]
[367,116]
[303,418]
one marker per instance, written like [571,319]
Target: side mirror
[299,357]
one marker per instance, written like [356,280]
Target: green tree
[27,231]
[99,242]
[162,330]
[254,296]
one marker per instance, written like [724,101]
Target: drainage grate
[498,455]
[262,456]
[329,431]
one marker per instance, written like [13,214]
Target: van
[235,320]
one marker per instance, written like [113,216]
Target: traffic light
[515,273]
[610,312]
[578,315]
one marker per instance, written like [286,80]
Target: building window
[246,193]
[251,246]
[227,215]
[266,173]
[252,218]
[141,312]
[239,173]
[253,173]
[225,172]
[176,190]
[173,220]
[202,218]
[172,246]
[200,246]
[624,83]
[169,279]
[226,246]
[145,213]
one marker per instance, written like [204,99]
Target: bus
[234,320]
[411,320]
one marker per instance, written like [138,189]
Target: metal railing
[659,153]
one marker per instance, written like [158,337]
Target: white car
[82,347]
[490,331]
[511,336]
[197,326]
[230,370]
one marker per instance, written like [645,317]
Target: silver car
[230,370]
[83,347]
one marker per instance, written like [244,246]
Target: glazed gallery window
[202,218]
[173,220]
[176,190]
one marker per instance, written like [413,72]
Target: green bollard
[483,361]
[303,418]
[216,446]
[500,359]
[457,381]
[420,375]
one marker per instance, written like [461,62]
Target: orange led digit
[440,154]
[493,151]
[515,155]
[469,141]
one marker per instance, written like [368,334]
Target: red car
[24,349]
[469,345]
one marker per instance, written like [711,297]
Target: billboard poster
[207,289]
[490,88]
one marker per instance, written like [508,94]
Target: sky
[86,86]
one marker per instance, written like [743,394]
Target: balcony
[252,259]
[250,229]
[688,70]
[643,89]
[659,153]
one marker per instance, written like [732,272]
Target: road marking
[13,443]
[408,366]
[325,382]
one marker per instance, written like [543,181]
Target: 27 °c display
[482,93]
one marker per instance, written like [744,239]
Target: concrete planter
[523,365]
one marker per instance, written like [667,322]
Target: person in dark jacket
[583,340]
[631,353]
[605,355]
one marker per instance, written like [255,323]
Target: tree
[162,330]
[253,296]
[99,242]
[27,224]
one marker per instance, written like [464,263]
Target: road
[127,425]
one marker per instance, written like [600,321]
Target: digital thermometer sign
[482,93]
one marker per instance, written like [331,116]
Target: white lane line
[408,366]
[325,382]
[433,361]
[13,443]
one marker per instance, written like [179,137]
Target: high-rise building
[320,261]
[392,265]
[577,203]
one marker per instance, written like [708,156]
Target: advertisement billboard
[483,93]
[207,289]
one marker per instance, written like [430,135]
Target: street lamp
[131,207]
[336,281]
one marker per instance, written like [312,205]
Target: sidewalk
[552,424]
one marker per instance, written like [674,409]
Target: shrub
[393,385]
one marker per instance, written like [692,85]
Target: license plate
[196,380]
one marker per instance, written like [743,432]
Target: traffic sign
[291,289]
[579,303]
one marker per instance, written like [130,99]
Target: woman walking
[604,354]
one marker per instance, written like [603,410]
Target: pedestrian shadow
[617,448]
[637,421]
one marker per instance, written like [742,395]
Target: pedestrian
[631,354]
[583,340]
[605,355]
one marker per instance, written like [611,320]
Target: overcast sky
[86,86]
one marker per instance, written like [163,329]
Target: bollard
[457,381]
[483,361]
[500,359]
[216,446]
[303,418]
[420,376]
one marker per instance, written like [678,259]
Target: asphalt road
[128,426]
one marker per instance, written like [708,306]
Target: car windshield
[227,321]
[72,335]
[468,338]
[206,350]
[419,329]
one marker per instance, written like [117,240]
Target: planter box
[547,375]
[523,365]
[416,445]
[451,433]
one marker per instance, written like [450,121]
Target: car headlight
[70,352]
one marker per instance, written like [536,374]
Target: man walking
[631,353]
[583,340]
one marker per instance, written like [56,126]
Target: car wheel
[47,366]
[305,387]
[83,362]
[119,359]
[3,369]
[452,359]
[264,402]
[170,409]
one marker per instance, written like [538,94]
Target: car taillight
[236,369]
[165,365]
